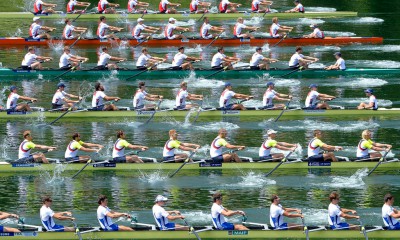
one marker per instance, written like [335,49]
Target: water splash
[252,179]
[198,217]
[358,83]
[367,20]
[355,181]
[215,126]
[383,48]
[53,177]
[375,64]
[153,177]
[321,9]
[339,34]
[17,33]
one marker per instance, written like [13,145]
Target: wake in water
[153,177]
[355,181]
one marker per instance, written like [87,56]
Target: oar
[147,69]
[279,164]
[198,111]
[305,228]
[363,229]
[198,20]
[79,38]
[283,110]
[215,39]
[191,229]
[69,70]
[223,69]
[80,13]
[155,110]
[77,231]
[291,72]
[76,174]
[283,38]
[184,163]
[379,163]
[62,115]
[141,42]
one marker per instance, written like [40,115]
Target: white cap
[36,18]
[140,20]
[171,19]
[271,131]
[160,198]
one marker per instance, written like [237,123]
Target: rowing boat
[165,74]
[183,16]
[290,41]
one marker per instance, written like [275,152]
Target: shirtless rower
[195,4]
[372,101]
[69,30]
[47,216]
[99,96]
[103,28]
[314,149]
[228,7]
[270,95]
[134,6]
[74,3]
[217,146]
[162,217]
[219,212]
[228,94]
[169,30]
[38,7]
[299,8]
[24,154]
[76,145]
[140,27]
[313,96]
[299,60]
[277,212]
[12,102]
[3,229]
[277,31]
[183,94]
[119,150]
[207,27]
[164,4]
[239,27]
[29,62]
[220,60]
[336,213]
[172,144]
[259,62]
[60,100]
[141,95]
[104,58]
[145,61]
[317,33]
[269,143]
[105,7]
[179,58]
[36,28]
[340,63]
[366,144]
[256,6]
[105,216]
[68,61]
[389,213]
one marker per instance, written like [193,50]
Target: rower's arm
[311,58]
[195,97]
[44,147]
[242,96]
[131,146]
[382,146]
[116,214]
[49,5]
[229,213]
[182,29]
[283,147]
[174,4]
[173,217]
[44,58]
[108,98]
[287,144]
[185,148]
[395,214]
[331,148]
[230,146]
[288,214]
[235,4]
[193,59]
[27,98]
[70,101]
[190,145]
[113,4]
[88,149]
[61,216]
[321,95]
[348,216]
[117,59]
[4,215]
[91,145]
[231,59]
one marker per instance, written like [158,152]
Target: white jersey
[312,98]
[372,99]
[68,30]
[256,59]
[204,31]
[255,4]
[217,217]
[102,5]
[38,5]
[217,59]
[29,59]
[119,148]
[104,220]
[142,60]
[273,30]
[34,30]
[237,30]
[217,147]
[389,221]
[160,216]
[73,149]
[225,98]
[46,216]
[178,59]
[12,100]
[363,148]
[170,146]
[98,98]
[314,147]
[139,98]
[180,99]
[25,148]
[318,33]
[224,5]
[334,213]
[169,31]
[341,63]
[276,215]
[268,97]
[138,30]
[71,5]
[163,4]
[64,60]
[194,4]
[103,59]
[102,30]
[58,97]
[266,147]
[295,59]
[132,5]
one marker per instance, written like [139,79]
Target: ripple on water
[358,83]
[327,126]
[355,181]
[339,34]
[215,126]
[375,64]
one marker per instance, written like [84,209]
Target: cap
[227,84]
[140,20]
[12,88]
[160,198]
[313,25]
[171,19]
[60,85]
[368,90]
[313,85]
[270,83]
[337,54]
[36,18]
[271,131]
[259,48]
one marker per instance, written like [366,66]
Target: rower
[119,150]
[68,61]
[12,100]
[104,58]
[299,60]
[389,214]
[259,62]
[24,154]
[269,143]
[340,63]
[105,216]
[317,33]
[47,217]
[314,148]
[195,4]
[105,7]
[228,94]
[228,7]
[28,63]
[183,94]
[38,7]
[206,27]
[134,6]
[366,144]
[313,96]
[180,57]
[4,215]
[98,100]
[277,31]
[137,30]
[219,212]
[335,214]
[255,6]
[171,27]
[239,26]
[103,27]
[277,212]
[141,95]
[298,9]
[36,26]
[217,145]
[76,145]
[162,217]
[74,3]
[220,60]
[270,95]
[145,61]
[69,29]
[163,6]
[172,144]
[60,100]
[372,102]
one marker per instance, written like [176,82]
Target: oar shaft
[279,164]
[76,174]
[184,163]
[379,163]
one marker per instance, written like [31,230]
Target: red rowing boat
[14,41]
